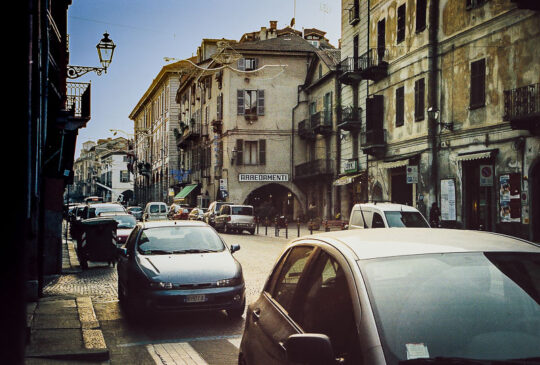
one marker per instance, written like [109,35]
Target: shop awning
[344,180]
[476,155]
[400,160]
[185,191]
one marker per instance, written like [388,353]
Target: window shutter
[240,110]
[262,151]
[219,106]
[255,63]
[419,95]
[478,80]
[400,104]
[239,151]
[242,64]
[260,102]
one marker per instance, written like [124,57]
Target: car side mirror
[235,248]
[122,251]
[310,348]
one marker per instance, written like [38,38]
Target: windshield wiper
[193,250]
[156,252]
[465,361]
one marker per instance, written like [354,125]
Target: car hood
[190,268]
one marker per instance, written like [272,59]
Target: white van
[235,218]
[386,215]
[155,211]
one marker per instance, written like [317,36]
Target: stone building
[452,109]
[236,136]
[155,119]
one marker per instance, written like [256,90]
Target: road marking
[178,340]
[175,353]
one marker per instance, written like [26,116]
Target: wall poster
[448,200]
[510,197]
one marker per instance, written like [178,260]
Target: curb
[84,355]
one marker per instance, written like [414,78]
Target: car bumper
[241,225]
[212,299]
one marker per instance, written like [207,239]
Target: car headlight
[160,285]
[229,282]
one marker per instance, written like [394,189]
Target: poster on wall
[448,200]
[510,197]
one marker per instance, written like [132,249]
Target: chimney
[273,24]
[262,34]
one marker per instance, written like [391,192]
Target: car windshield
[93,211]
[125,221]
[242,210]
[458,305]
[405,219]
[135,209]
[169,240]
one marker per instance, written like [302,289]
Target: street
[209,338]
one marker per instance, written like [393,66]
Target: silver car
[398,296]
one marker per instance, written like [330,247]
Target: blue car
[179,266]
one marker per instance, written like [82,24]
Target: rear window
[158,208]
[125,221]
[165,240]
[405,219]
[242,211]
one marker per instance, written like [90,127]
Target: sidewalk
[65,330]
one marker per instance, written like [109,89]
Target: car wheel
[225,228]
[252,232]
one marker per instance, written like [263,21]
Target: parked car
[398,296]
[155,211]
[235,218]
[213,211]
[126,223]
[179,266]
[179,212]
[95,209]
[385,215]
[137,212]
[196,214]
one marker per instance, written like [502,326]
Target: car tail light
[228,219]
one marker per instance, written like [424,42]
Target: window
[250,152]
[248,64]
[400,106]
[478,83]
[250,102]
[354,13]
[381,39]
[401,24]
[326,307]
[378,221]
[289,275]
[420,15]
[419,97]
[124,176]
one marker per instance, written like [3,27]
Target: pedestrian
[434,216]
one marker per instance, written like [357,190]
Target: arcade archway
[272,200]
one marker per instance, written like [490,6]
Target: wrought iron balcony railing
[314,168]
[304,129]
[351,118]
[373,64]
[78,100]
[522,103]
[321,122]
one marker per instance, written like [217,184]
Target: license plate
[196,298]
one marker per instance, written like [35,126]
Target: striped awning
[185,191]
[480,155]
[394,164]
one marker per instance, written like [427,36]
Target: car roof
[388,242]
[109,214]
[176,223]
[386,207]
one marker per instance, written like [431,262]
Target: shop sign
[222,184]
[486,175]
[412,174]
[263,177]
[448,200]
[351,166]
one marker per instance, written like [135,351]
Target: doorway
[477,200]
[402,193]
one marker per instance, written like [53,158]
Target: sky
[147,31]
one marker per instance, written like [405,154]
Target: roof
[386,207]
[284,43]
[389,242]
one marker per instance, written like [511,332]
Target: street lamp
[105,50]
[433,114]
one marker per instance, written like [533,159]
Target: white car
[386,215]
[235,218]
[155,211]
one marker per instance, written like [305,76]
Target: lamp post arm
[74,72]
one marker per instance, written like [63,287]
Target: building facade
[452,109]
[155,119]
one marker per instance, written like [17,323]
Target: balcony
[373,65]
[373,135]
[351,119]
[315,168]
[350,71]
[194,130]
[321,122]
[522,108]
[372,140]
[354,15]
[305,131]
[77,108]
[527,4]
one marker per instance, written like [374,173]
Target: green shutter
[262,151]
[240,110]
[239,151]
[260,102]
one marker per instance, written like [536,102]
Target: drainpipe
[337,189]
[432,98]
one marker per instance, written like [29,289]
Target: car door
[124,260]
[267,322]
